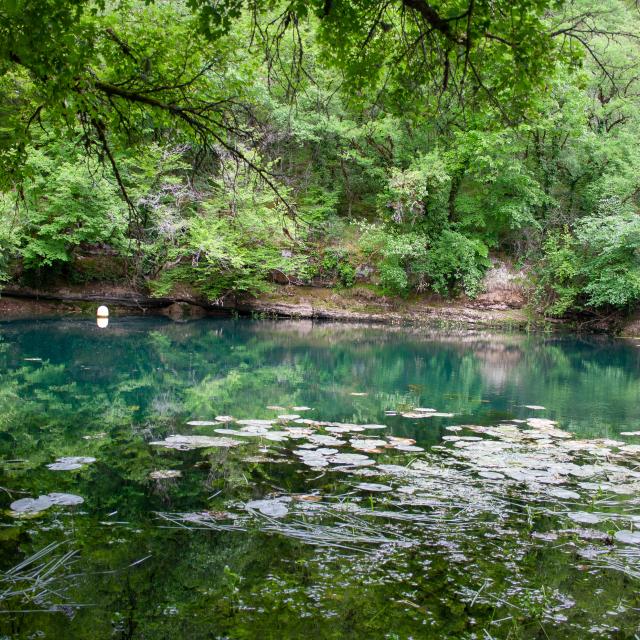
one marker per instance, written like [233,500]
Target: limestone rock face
[503,287]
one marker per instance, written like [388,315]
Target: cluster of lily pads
[34,506]
[30,507]
[476,469]
[317,438]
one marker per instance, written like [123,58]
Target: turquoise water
[483,522]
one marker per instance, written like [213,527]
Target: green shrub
[394,254]
[8,243]
[406,261]
[336,261]
[393,278]
[596,267]
[610,249]
[66,203]
[455,262]
[234,242]
[557,276]
[416,197]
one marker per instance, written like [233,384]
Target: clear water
[472,541]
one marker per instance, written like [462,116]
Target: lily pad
[355,459]
[64,466]
[165,474]
[630,448]
[328,441]
[491,475]
[564,494]
[408,448]
[627,536]
[298,432]
[368,444]
[30,506]
[345,428]
[316,462]
[374,487]
[541,423]
[65,499]
[244,433]
[585,518]
[34,506]
[395,440]
[70,463]
[275,508]
[184,443]
[276,436]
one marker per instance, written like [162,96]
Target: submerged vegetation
[226,146]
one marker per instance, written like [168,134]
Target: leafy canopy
[120,69]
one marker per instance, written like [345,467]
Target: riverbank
[497,309]
[354,305]
[286,301]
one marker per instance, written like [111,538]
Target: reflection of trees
[498,364]
[155,374]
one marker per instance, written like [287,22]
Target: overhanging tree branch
[443,25]
[197,118]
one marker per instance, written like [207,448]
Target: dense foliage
[227,145]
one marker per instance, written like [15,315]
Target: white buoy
[103,311]
[103,323]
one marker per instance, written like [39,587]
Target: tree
[81,61]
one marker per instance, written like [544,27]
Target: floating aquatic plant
[374,487]
[35,506]
[184,443]
[276,507]
[70,463]
[165,474]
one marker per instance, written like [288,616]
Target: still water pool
[256,479]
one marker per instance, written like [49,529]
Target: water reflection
[165,544]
